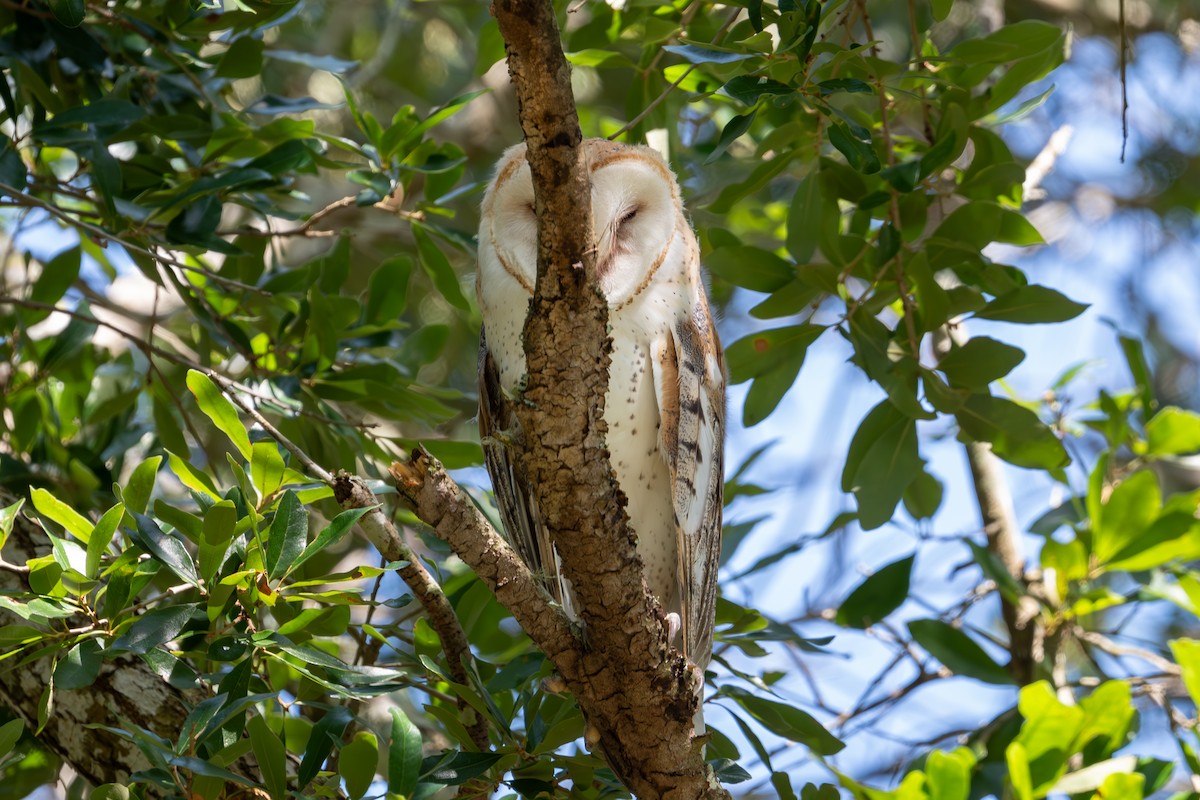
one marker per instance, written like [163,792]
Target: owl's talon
[674,626]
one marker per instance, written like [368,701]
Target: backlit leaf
[217,408]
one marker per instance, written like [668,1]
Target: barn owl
[665,404]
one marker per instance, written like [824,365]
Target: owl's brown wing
[518,508]
[692,408]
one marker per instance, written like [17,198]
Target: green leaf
[730,133]
[1046,736]
[387,292]
[1018,771]
[881,462]
[1135,358]
[404,755]
[10,734]
[1187,655]
[456,768]
[1173,431]
[154,628]
[859,155]
[852,85]
[979,361]
[1131,508]
[772,358]
[746,89]
[313,61]
[437,266]
[595,57]
[750,268]
[448,109]
[50,506]
[68,12]
[57,276]
[804,219]
[877,596]
[358,762]
[1015,433]
[167,548]
[949,774]
[45,707]
[1031,304]
[219,527]
[941,9]
[266,467]
[1108,715]
[959,652]
[217,408]
[923,497]
[243,59]
[698,54]
[79,668]
[135,494]
[288,536]
[787,721]
[978,223]
[329,536]
[272,757]
[1122,786]
[325,734]
[12,168]
[8,515]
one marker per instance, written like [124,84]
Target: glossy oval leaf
[288,535]
[358,762]
[1173,431]
[957,651]
[750,268]
[1015,433]
[882,461]
[154,628]
[877,596]
[167,548]
[404,755]
[785,720]
[1031,304]
[217,408]
[979,361]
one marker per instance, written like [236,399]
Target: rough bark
[634,689]
[126,693]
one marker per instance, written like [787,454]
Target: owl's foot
[591,737]
[497,437]
[554,684]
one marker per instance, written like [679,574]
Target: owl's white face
[636,215]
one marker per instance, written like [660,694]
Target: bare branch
[351,491]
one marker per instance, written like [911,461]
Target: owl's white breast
[631,408]
[631,412]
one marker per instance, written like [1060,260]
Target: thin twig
[1124,47]
[20,198]
[656,102]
